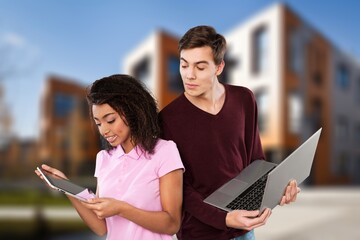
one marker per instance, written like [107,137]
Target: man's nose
[190,74]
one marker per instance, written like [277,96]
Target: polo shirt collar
[135,153]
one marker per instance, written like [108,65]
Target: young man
[215,128]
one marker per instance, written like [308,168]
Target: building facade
[300,79]
[156,63]
[68,140]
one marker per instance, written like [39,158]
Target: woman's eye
[111,121]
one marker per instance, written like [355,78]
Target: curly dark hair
[202,36]
[131,99]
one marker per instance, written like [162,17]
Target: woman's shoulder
[162,143]
[167,154]
[102,154]
[165,148]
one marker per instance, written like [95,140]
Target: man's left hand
[290,193]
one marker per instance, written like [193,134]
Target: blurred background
[300,58]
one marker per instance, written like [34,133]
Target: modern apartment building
[300,79]
[156,62]
[67,138]
[302,82]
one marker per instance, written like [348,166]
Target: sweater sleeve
[207,214]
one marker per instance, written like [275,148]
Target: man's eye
[200,68]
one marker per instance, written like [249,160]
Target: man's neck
[211,102]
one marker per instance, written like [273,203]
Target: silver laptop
[262,184]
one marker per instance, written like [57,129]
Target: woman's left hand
[105,207]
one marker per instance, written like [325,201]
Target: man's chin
[192,93]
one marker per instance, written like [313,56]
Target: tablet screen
[66,186]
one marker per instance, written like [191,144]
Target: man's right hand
[247,220]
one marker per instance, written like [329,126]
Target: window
[175,82]
[357,91]
[342,77]
[296,52]
[260,50]
[63,104]
[356,170]
[295,111]
[342,128]
[357,133]
[316,113]
[341,166]
[141,71]
[263,108]
[84,109]
[230,64]
[317,78]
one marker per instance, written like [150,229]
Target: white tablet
[66,186]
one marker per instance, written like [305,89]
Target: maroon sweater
[214,149]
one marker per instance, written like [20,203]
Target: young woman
[139,176]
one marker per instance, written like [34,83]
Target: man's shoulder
[238,88]
[239,91]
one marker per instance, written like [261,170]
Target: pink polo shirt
[134,178]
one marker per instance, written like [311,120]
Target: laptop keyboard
[251,198]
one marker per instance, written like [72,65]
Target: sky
[85,40]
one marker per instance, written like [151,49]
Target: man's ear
[220,68]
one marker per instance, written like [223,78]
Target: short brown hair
[202,36]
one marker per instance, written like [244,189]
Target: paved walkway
[319,213]
[28,213]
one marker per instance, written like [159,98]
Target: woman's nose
[104,131]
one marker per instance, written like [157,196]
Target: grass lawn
[36,227]
[32,198]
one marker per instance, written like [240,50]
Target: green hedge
[33,197]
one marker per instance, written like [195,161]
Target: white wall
[240,48]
